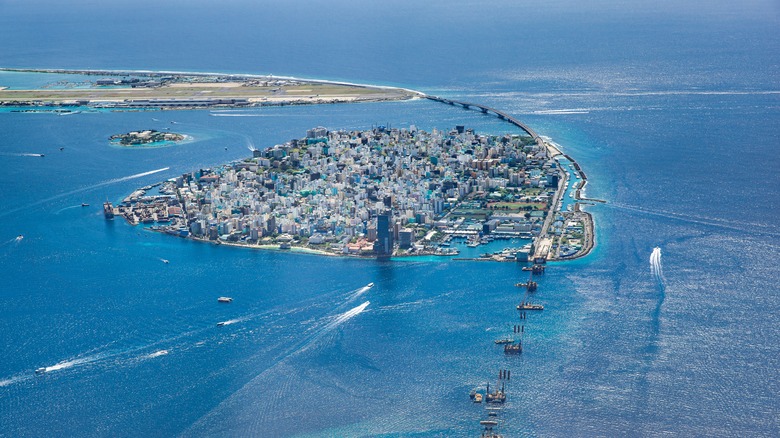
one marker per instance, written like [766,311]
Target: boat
[370,285]
[108,210]
[40,370]
[504,341]
[529,306]
[477,398]
[220,324]
[513,348]
[84,204]
[165,261]
[225,300]
[497,396]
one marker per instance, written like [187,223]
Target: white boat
[370,285]
[225,300]
[40,370]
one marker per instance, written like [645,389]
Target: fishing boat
[504,341]
[513,348]
[529,306]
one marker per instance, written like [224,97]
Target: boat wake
[21,154]
[229,322]
[85,189]
[279,373]
[655,265]
[157,353]
[67,208]
[15,379]
[70,364]
[357,293]
[16,239]
[747,227]
[344,317]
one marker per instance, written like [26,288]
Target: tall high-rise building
[384,238]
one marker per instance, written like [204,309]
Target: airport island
[85,90]
[379,193]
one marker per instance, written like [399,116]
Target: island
[379,193]
[143,90]
[145,137]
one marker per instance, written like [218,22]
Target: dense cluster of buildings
[377,192]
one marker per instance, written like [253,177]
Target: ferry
[224,300]
[529,306]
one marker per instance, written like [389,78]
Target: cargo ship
[108,210]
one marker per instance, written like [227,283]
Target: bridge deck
[487,109]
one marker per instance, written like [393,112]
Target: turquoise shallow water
[681,144]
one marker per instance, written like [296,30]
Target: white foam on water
[157,354]
[656,268]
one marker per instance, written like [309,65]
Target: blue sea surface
[671,110]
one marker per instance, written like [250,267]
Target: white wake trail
[656,267]
[85,189]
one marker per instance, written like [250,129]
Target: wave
[562,111]
[241,115]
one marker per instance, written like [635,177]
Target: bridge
[488,110]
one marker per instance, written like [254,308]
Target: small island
[149,136]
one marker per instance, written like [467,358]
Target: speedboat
[370,285]
[220,324]
[84,204]
[40,370]
[225,300]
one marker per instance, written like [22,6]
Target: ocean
[671,110]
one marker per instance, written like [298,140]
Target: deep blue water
[671,110]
